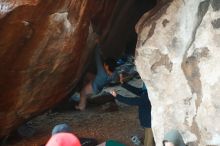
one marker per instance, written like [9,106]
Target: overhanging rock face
[44,49]
[45,46]
[178,57]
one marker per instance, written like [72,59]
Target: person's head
[63,139]
[109,65]
[173,138]
[61,128]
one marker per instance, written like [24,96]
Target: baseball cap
[63,139]
[61,128]
[174,137]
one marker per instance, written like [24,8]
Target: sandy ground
[100,121]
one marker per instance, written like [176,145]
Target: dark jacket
[142,101]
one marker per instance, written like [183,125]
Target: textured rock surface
[178,57]
[45,48]
[42,44]
[8,5]
[120,34]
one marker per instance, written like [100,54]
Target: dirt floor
[104,119]
[103,122]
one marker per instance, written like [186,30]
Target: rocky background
[40,55]
[178,58]
[46,46]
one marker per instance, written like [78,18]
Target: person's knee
[86,90]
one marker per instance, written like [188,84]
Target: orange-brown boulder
[44,48]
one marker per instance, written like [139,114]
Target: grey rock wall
[178,57]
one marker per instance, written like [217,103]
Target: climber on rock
[105,74]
